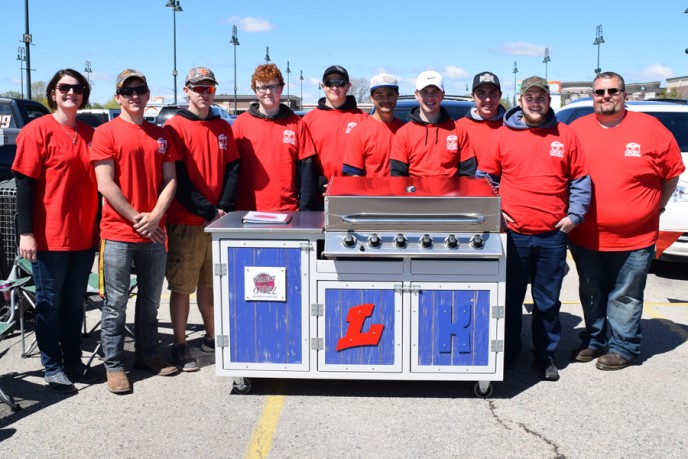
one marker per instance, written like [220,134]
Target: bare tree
[360,89]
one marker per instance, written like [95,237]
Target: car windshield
[677,123]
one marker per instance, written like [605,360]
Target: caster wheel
[482,390]
[241,386]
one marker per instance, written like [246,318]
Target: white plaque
[265,283]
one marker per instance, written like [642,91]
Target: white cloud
[520,48]
[250,24]
[652,72]
[452,71]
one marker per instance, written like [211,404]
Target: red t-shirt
[138,152]
[431,149]
[368,146]
[480,133]
[627,165]
[205,148]
[328,130]
[536,166]
[269,149]
[66,194]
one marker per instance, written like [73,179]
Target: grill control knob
[425,241]
[477,242]
[374,241]
[400,241]
[451,242]
[349,241]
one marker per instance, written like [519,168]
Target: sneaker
[156,365]
[208,344]
[60,384]
[612,361]
[83,374]
[117,382]
[585,354]
[547,370]
[182,358]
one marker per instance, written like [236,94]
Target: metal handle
[413,219]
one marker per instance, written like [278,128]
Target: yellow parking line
[261,439]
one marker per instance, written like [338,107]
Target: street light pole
[88,71]
[174,4]
[301,78]
[21,58]
[235,42]
[599,39]
[545,61]
[267,54]
[288,72]
[515,81]
[27,48]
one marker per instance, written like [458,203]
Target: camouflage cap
[534,82]
[198,74]
[126,74]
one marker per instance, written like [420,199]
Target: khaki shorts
[189,258]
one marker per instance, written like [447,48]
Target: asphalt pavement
[636,412]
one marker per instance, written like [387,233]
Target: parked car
[674,116]
[169,111]
[14,115]
[94,117]
[457,106]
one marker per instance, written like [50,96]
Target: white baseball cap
[429,78]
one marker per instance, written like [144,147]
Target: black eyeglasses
[203,89]
[335,83]
[271,87]
[612,92]
[64,88]
[129,91]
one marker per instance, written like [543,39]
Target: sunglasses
[335,83]
[203,89]
[65,88]
[129,91]
[612,92]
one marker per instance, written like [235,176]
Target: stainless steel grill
[420,217]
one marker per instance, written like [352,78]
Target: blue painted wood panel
[338,302]
[453,327]
[265,331]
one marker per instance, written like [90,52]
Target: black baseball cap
[336,69]
[485,78]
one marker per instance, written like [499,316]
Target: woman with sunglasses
[57,200]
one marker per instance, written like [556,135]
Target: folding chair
[11,285]
[27,298]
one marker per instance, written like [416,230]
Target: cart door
[360,326]
[452,330]
[264,305]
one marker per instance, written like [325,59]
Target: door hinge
[317,309]
[221,340]
[317,344]
[498,312]
[220,269]
[497,345]
[306,246]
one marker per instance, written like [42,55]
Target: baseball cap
[485,78]
[336,69]
[197,74]
[125,74]
[534,82]
[429,78]
[383,80]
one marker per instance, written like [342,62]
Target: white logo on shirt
[289,136]
[452,143]
[557,149]
[162,145]
[222,142]
[350,126]
[632,149]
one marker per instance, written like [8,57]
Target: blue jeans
[61,279]
[540,259]
[149,260]
[611,289]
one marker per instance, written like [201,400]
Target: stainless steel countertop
[303,222]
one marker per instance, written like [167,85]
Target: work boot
[117,382]
[612,361]
[156,365]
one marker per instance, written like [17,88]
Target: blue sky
[453,37]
